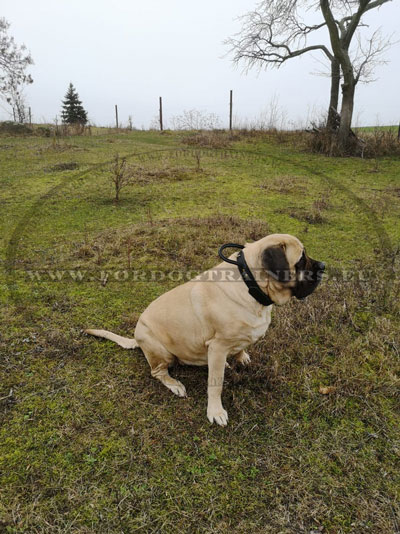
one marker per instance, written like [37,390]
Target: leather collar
[254,289]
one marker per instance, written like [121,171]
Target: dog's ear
[275,263]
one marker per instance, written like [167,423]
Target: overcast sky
[130,52]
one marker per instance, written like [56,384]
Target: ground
[90,443]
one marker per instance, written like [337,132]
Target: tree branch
[354,22]
[332,27]
[377,3]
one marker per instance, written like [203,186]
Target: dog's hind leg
[159,359]
[160,371]
[243,358]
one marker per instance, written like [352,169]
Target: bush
[43,131]
[14,128]
[77,128]
[194,119]
[378,142]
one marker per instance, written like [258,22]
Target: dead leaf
[327,390]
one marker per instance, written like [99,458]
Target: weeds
[58,145]
[285,184]
[208,139]
[378,143]
[166,172]
[169,244]
[8,128]
[67,166]
[312,215]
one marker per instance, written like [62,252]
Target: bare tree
[120,175]
[14,61]
[341,33]
[14,96]
[275,32]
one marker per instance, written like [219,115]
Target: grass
[90,443]
[394,128]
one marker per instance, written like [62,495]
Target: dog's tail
[124,342]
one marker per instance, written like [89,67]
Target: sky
[130,52]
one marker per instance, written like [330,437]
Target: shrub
[120,175]
[43,131]
[14,128]
[379,142]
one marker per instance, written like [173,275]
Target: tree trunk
[346,113]
[334,99]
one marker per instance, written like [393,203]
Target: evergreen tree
[72,110]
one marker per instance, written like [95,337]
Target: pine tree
[72,110]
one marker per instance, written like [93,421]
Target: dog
[221,312]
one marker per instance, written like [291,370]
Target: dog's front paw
[218,415]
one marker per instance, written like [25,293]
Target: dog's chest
[259,331]
[253,331]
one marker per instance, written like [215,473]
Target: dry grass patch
[66,166]
[171,244]
[312,215]
[165,172]
[210,139]
[393,191]
[58,146]
[380,142]
[375,143]
[285,184]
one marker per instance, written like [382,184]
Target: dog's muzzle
[308,279]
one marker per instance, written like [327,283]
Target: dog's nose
[321,266]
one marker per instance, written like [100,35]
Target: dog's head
[285,268]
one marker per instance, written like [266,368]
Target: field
[392,128]
[90,443]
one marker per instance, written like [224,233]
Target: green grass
[90,443]
[394,128]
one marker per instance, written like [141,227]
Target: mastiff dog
[221,312]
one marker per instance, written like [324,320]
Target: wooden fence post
[161,118]
[116,115]
[30,116]
[230,110]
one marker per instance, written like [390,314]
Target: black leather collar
[248,278]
